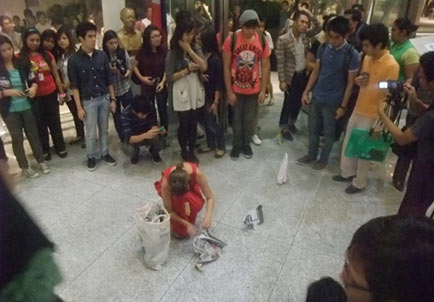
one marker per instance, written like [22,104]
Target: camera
[156,80]
[396,89]
[117,63]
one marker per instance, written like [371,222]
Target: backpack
[234,40]
[347,58]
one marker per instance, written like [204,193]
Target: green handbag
[362,144]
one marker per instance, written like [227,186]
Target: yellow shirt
[383,69]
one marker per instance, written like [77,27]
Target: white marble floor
[308,223]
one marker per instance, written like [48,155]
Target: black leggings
[187,130]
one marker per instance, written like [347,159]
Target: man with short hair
[291,53]
[8,30]
[43,23]
[246,67]
[354,16]
[141,129]
[332,82]
[378,65]
[92,87]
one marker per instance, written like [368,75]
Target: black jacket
[27,77]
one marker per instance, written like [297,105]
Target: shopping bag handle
[388,113]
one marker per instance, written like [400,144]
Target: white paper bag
[282,176]
[153,227]
[2,129]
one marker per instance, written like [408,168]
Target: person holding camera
[121,68]
[420,190]
[378,65]
[141,129]
[149,68]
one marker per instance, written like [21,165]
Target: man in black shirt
[141,129]
[92,88]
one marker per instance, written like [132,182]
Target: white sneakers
[30,173]
[256,140]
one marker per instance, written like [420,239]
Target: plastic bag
[153,227]
[282,176]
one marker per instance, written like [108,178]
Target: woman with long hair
[17,87]
[120,65]
[46,105]
[213,82]
[66,49]
[149,67]
[184,63]
[49,42]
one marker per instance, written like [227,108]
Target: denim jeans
[321,116]
[213,131]
[97,114]
[122,101]
[244,115]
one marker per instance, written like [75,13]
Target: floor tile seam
[319,252]
[98,257]
[295,235]
[231,204]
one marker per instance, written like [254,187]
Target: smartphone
[383,85]
[161,129]
[388,85]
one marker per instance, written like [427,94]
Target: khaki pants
[353,166]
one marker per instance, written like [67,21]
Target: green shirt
[18,104]
[405,54]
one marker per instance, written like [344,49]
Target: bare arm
[349,89]
[310,61]
[313,78]
[209,195]
[203,65]
[402,138]
[56,76]
[410,71]
[76,95]
[265,67]
[153,132]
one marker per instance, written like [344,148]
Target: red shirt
[246,61]
[42,71]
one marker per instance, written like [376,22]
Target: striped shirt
[133,125]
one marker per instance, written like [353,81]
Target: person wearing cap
[246,67]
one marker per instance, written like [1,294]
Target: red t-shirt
[42,71]
[246,61]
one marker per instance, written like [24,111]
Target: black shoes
[134,159]
[305,160]
[235,153]
[247,151]
[91,164]
[287,135]
[47,156]
[109,160]
[353,190]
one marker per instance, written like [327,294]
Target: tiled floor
[308,223]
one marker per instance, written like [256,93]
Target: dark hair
[51,34]
[108,35]
[141,105]
[300,13]
[184,24]
[359,7]
[404,24]
[146,47]
[24,55]
[40,13]
[83,27]
[327,18]
[251,23]
[397,254]
[65,30]
[375,34]
[326,290]
[4,40]
[209,41]
[305,4]
[28,11]
[3,18]
[356,15]
[285,2]
[339,25]
[427,64]
[16,17]
[179,180]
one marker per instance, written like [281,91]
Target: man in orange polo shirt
[378,65]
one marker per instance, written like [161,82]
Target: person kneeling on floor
[141,129]
[181,188]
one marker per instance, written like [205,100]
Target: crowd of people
[333,69]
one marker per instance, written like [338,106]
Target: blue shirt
[331,83]
[18,104]
[133,125]
[90,74]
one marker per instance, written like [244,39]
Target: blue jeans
[214,132]
[97,115]
[321,116]
[122,101]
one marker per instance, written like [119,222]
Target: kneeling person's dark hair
[375,34]
[141,105]
[427,64]
[326,290]
[339,25]
[179,180]
[83,27]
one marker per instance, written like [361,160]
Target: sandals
[271,102]
[204,150]
[219,153]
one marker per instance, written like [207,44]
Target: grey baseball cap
[248,15]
